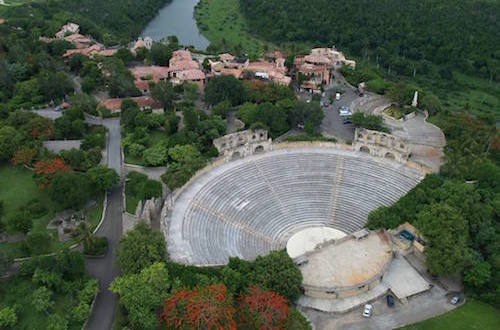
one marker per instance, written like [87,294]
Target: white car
[344,111]
[337,96]
[368,310]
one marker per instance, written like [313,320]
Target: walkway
[104,269]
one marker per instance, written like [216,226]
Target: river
[177,18]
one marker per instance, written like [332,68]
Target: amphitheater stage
[250,206]
[401,279]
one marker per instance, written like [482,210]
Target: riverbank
[221,22]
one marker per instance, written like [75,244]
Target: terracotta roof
[78,38]
[108,52]
[2,21]
[89,51]
[317,59]
[142,102]
[226,57]
[156,72]
[234,72]
[195,74]
[142,85]
[184,65]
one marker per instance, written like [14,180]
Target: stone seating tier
[248,207]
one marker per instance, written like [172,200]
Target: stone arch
[364,149]
[235,155]
[389,155]
[259,149]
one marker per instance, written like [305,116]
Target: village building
[316,69]
[91,51]
[228,65]
[68,29]
[272,68]
[145,103]
[146,43]
[182,68]
[144,75]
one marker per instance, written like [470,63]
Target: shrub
[19,222]
[8,318]
[36,208]
[222,109]
[37,243]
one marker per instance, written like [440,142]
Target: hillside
[431,42]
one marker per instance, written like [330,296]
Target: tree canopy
[140,248]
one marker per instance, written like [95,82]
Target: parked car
[337,96]
[347,120]
[344,111]
[368,310]
[390,300]
[455,300]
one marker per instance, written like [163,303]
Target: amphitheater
[253,205]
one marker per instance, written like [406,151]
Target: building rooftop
[347,262]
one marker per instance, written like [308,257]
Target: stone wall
[381,144]
[242,144]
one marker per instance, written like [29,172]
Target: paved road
[419,308]
[333,124]
[104,269]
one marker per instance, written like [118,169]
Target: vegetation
[457,210]
[372,122]
[401,40]
[241,293]
[472,315]
[48,289]
[223,24]
[140,188]
[140,248]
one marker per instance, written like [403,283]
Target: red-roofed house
[144,103]
[183,68]
[145,74]
[274,71]
[316,69]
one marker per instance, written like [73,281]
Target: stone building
[241,144]
[381,144]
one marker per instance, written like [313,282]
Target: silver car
[367,310]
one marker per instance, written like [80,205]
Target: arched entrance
[389,155]
[364,149]
[236,155]
[259,149]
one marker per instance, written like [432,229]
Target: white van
[337,96]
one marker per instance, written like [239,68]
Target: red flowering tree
[46,170]
[264,310]
[24,156]
[41,128]
[208,307]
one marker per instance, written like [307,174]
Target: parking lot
[420,307]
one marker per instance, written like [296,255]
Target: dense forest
[462,34]
[111,21]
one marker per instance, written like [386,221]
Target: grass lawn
[221,22]
[131,201]
[155,136]
[18,291]
[94,214]
[17,188]
[474,315]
